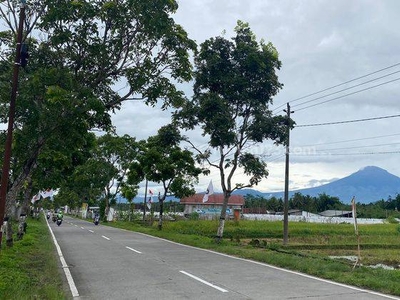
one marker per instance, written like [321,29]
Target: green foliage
[194,216]
[162,160]
[235,81]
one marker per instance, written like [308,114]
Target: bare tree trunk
[220,231]
[160,219]
[8,231]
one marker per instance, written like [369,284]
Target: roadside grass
[30,269]
[309,250]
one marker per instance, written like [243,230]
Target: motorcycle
[96,220]
[58,222]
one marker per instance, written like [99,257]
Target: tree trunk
[220,231]
[107,210]
[9,233]
[160,219]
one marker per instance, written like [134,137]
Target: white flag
[35,198]
[47,193]
[150,200]
[210,191]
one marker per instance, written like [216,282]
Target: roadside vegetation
[31,270]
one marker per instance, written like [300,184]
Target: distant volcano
[369,184]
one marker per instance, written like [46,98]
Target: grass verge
[30,269]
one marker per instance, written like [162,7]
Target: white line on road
[205,282]
[65,267]
[105,237]
[91,231]
[82,227]
[133,249]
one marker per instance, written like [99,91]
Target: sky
[348,49]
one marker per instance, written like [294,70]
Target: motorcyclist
[96,218]
[60,215]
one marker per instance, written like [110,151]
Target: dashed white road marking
[205,282]
[104,237]
[91,231]
[133,250]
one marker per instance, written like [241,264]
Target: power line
[346,89]
[359,91]
[348,154]
[335,86]
[349,121]
[357,147]
[352,140]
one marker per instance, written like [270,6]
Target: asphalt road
[102,262]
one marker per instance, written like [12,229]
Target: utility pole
[286,200]
[11,115]
[144,202]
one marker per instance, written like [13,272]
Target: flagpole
[144,202]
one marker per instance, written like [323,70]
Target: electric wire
[351,140]
[357,147]
[349,94]
[335,86]
[346,89]
[347,154]
[349,121]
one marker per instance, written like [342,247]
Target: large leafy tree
[162,160]
[108,42]
[81,54]
[235,81]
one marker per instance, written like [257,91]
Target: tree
[129,191]
[234,85]
[108,42]
[118,152]
[86,49]
[162,160]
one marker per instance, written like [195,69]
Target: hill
[369,184]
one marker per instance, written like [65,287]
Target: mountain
[367,185]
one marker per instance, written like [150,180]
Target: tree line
[379,209]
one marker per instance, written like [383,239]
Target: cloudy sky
[344,53]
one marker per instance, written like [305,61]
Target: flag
[47,193]
[354,212]
[150,200]
[35,198]
[210,191]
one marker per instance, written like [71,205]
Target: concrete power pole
[11,115]
[286,200]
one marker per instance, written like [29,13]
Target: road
[102,262]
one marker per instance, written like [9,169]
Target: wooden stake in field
[354,213]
